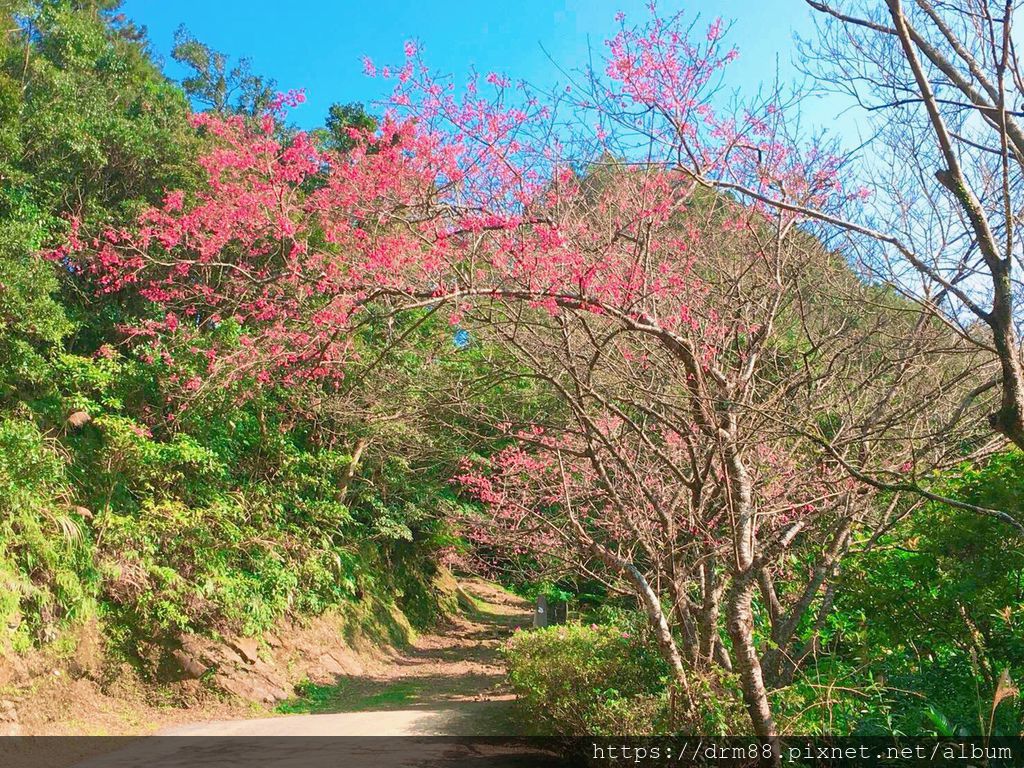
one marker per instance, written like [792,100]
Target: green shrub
[577,679]
[46,574]
[940,597]
[610,680]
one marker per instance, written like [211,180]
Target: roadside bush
[575,679]
[610,680]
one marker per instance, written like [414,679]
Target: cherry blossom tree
[688,462]
[935,88]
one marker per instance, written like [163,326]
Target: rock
[190,665]
[224,655]
[248,647]
[253,685]
[9,725]
[13,671]
[79,419]
[272,640]
[329,665]
[350,665]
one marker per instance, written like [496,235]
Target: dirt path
[450,683]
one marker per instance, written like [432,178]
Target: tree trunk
[652,607]
[710,641]
[746,662]
[662,632]
[1009,419]
[739,611]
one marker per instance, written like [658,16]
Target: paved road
[308,751]
[456,719]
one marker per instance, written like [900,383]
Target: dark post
[559,612]
[540,613]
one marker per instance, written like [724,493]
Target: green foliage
[575,679]
[213,84]
[231,520]
[341,118]
[609,679]
[45,565]
[218,518]
[346,696]
[936,611]
[835,696]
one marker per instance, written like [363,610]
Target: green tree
[216,85]
[342,118]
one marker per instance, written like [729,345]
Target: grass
[374,622]
[347,696]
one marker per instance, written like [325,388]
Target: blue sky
[319,44]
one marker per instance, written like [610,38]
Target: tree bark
[740,621]
[662,631]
